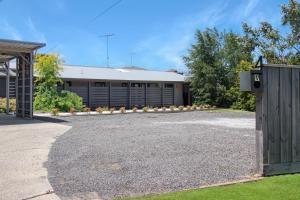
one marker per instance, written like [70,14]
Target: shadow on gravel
[13,120]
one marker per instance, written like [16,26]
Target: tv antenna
[107,39]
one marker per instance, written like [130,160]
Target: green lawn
[229,110]
[273,188]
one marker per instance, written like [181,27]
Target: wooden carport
[23,53]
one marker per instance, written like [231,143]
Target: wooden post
[23,86]
[174,92]
[7,87]
[89,94]
[30,64]
[17,85]
[146,94]
[162,93]
[129,95]
[109,94]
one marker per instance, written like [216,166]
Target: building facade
[109,87]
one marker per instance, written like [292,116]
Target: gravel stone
[108,156]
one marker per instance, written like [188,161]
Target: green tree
[241,100]
[212,61]
[46,96]
[275,47]
[204,63]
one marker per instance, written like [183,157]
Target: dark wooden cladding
[99,96]
[296,115]
[168,97]
[24,86]
[280,114]
[137,96]
[120,93]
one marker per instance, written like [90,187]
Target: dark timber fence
[278,120]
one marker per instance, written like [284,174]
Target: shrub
[112,110]
[69,100]
[134,109]
[164,109]
[46,96]
[188,108]
[123,110]
[145,109]
[105,108]
[194,107]
[12,105]
[72,111]
[206,106]
[55,111]
[181,108]
[172,108]
[155,109]
[86,109]
[99,110]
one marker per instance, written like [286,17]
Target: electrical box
[251,81]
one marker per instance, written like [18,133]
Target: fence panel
[280,107]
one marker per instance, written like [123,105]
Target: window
[118,84]
[138,85]
[99,84]
[69,83]
[135,85]
[167,85]
[153,85]
[59,84]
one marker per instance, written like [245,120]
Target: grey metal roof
[3,72]
[11,48]
[97,73]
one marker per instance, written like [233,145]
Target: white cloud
[34,32]
[250,7]
[171,46]
[9,31]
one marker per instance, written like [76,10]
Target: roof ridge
[98,67]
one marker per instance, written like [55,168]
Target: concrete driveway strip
[24,148]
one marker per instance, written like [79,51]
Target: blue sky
[158,32]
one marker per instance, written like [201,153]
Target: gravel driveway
[103,157]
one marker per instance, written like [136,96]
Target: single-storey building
[128,87]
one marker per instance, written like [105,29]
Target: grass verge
[273,188]
[228,110]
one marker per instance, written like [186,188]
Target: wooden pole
[89,94]
[129,95]
[7,87]
[30,63]
[23,86]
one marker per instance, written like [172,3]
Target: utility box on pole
[251,81]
